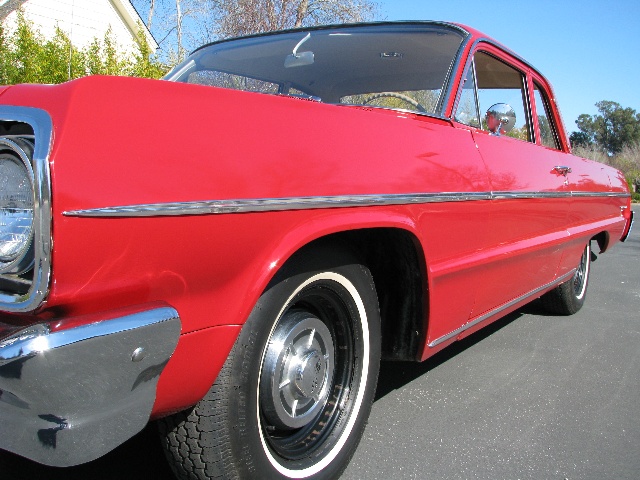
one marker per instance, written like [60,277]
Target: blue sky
[589,50]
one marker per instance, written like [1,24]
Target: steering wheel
[401,96]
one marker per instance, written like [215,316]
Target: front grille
[24,283]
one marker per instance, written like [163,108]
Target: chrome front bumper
[69,396]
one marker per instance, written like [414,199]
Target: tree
[176,25]
[27,57]
[580,139]
[182,25]
[233,18]
[612,129]
[152,8]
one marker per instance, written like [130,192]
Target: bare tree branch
[242,17]
[152,8]
[186,24]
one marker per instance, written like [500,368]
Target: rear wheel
[293,397]
[567,298]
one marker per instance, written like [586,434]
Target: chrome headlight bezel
[28,291]
[21,257]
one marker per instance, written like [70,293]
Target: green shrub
[27,57]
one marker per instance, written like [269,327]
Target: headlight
[16,205]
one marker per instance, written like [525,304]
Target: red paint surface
[120,141]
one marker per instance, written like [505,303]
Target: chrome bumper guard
[628,228]
[70,396]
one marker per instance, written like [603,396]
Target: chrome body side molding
[501,308]
[70,396]
[249,205]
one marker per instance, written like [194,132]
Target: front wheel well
[397,265]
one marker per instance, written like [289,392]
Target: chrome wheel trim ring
[582,274]
[364,330]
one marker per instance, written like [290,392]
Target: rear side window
[548,135]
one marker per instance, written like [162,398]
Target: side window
[501,83]
[467,111]
[548,136]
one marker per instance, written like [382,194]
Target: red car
[231,250]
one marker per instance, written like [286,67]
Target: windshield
[401,66]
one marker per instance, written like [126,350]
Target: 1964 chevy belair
[231,250]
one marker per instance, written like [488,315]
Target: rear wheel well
[397,265]
[603,241]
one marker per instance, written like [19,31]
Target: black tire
[567,298]
[294,395]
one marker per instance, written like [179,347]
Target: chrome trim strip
[570,194]
[603,194]
[273,204]
[529,195]
[251,205]
[42,126]
[500,309]
[92,385]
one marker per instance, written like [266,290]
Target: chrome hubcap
[297,371]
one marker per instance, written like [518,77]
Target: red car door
[528,219]
[530,193]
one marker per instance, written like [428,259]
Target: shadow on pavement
[395,375]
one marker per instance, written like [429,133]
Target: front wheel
[567,298]
[293,397]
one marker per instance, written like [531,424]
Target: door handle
[561,170]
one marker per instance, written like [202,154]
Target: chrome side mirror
[500,119]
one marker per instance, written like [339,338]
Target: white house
[81,20]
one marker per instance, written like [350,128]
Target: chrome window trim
[528,107]
[500,309]
[42,126]
[447,87]
[499,46]
[448,91]
[470,58]
[548,109]
[253,205]
[475,92]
